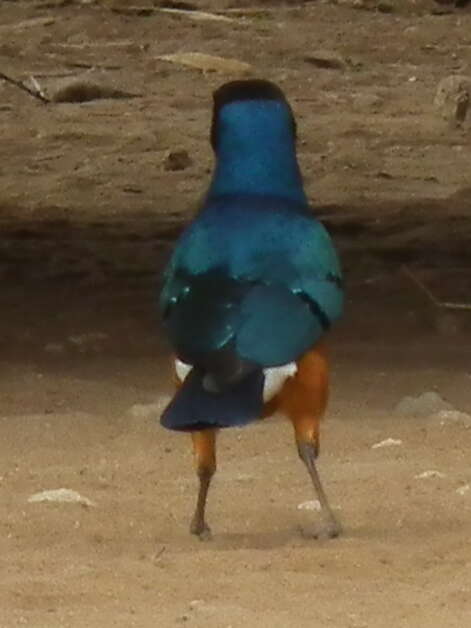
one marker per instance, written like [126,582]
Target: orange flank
[303,398]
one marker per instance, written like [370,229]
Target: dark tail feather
[194,408]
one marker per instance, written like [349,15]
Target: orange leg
[204,447]
[303,399]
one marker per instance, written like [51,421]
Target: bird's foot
[329,529]
[200,528]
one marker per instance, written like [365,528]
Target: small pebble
[312,504]
[325,59]
[387,442]
[366,101]
[454,416]
[176,160]
[62,495]
[432,473]
[424,405]
[452,99]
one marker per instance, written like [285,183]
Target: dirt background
[88,213]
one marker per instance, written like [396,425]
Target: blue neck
[256,152]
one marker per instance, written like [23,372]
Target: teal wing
[268,278]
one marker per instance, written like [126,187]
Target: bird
[251,288]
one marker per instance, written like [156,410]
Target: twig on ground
[37,86]
[197,15]
[449,305]
[32,92]
[158,555]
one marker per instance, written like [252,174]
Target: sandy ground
[128,560]
[88,212]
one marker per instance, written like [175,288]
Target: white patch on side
[275,378]
[182,369]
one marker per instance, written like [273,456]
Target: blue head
[253,135]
